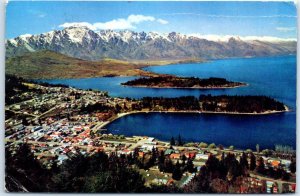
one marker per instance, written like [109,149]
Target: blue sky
[277,19]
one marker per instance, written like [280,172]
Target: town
[58,122]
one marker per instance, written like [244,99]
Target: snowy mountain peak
[82,42]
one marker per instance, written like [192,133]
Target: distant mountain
[83,43]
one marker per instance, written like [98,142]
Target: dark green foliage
[96,173]
[164,189]
[13,85]
[252,161]
[244,161]
[190,166]
[178,103]
[120,181]
[172,141]
[215,173]
[222,103]
[177,173]
[179,141]
[245,104]
[180,82]
[100,107]
[293,166]
[260,168]
[22,167]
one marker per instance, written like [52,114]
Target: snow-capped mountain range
[84,43]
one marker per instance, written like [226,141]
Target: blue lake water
[271,76]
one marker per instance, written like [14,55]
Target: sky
[275,19]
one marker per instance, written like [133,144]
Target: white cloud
[285,29]
[117,24]
[161,21]
[114,24]
[135,19]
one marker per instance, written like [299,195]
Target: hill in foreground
[48,65]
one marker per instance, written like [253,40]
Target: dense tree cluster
[178,142]
[268,170]
[97,107]
[96,173]
[222,103]
[246,104]
[227,175]
[14,85]
[22,168]
[116,174]
[180,82]
[178,103]
[165,164]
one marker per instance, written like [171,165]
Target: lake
[271,76]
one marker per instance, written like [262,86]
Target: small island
[183,82]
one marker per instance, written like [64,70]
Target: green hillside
[47,64]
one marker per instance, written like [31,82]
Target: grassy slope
[48,64]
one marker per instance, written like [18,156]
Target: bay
[271,76]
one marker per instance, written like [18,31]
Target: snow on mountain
[82,42]
[225,38]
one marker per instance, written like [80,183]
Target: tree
[168,166]
[220,146]
[161,157]
[267,152]
[293,166]
[203,145]
[180,143]
[25,121]
[172,142]
[244,163]
[122,180]
[212,164]
[190,166]
[252,161]
[212,145]
[260,168]
[183,158]
[219,186]
[249,150]
[26,170]
[177,173]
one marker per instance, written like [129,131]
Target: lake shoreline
[120,115]
[166,87]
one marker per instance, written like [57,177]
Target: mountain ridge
[86,44]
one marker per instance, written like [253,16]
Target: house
[201,156]
[286,163]
[147,147]
[275,163]
[169,151]
[190,155]
[175,156]
[61,158]
[141,154]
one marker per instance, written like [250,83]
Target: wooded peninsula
[183,82]
[212,104]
